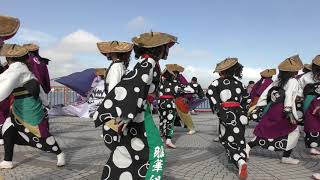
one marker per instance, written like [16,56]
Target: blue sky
[260,33]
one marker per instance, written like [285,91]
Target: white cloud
[80,41]
[251,73]
[201,63]
[139,24]
[26,35]
[64,53]
[177,52]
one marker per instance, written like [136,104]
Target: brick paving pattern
[196,158]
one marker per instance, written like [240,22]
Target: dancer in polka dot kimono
[139,151]
[9,27]
[277,130]
[257,90]
[169,89]
[230,98]
[198,97]
[119,54]
[182,102]
[309,89]
[27,124]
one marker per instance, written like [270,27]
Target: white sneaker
[243,169]
[170,144]
[316,176]
[192,131]
[6,165]
[61,159]
[247,150]
[314,151]
[289,160]
[1,142]
[216,139]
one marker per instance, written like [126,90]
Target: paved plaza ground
[197,157]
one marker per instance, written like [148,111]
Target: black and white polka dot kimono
[138,152]
[167,92]
[110,129]
[232,119]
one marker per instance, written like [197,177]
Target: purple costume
[40,70]
[274,131]
[259,87]
[310,89]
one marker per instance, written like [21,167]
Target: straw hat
[173,67]
[101,71]
[226,64]
[316,60]
[268,72]
[31,47]
[154,39]
[9,26]
[114,47]
[292,64]
[308,66]
[13,50]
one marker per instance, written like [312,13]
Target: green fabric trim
[29,110]
[307,101]
[267,107]
[157,158]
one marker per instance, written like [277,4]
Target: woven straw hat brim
[31,47]
[153,39]
[291,64]
[101,71]
[308,66]
[316,60]
[13,50]
[171,68]
[9,26]
[114,47]
[174,67]
[226,64]
[268,73]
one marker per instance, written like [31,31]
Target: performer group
[128,98]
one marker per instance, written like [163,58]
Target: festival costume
[257,90]
[182,102]
[138,152]
[9,27]
[299,103]
[170,89]
[276,131]
[27,124]
[309,89]
[38,67]
[231,99]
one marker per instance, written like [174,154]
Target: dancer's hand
[122,124]
[292,119]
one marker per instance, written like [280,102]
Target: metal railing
[63,95]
